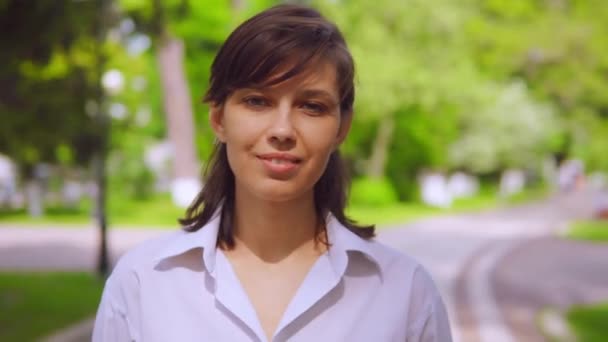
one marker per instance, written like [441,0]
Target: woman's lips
[280,164]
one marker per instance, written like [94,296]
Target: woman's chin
[281,193]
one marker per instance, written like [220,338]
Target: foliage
[475,85]
[47,74]
[416,62]
[131,177]
[589,139]
[421,143]
[33,305]
[559,49]
[140,125]
[372,193]
[498,68]
[399,48]
[511,131]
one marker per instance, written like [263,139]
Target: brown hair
[269,48]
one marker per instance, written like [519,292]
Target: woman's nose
[281,133]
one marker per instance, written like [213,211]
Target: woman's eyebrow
[251,89]
[318,93]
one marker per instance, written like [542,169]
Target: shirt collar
[341,239]
[205,238]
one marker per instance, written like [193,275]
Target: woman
[267,253]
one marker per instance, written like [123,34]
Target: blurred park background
[479,145]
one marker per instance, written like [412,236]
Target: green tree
[414,77]
[560,49]
[431,84]
[512,130]
[47,78]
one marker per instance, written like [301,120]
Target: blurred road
[495,269]
[498,268]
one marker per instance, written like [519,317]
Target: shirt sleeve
[112,323]
[429,316]
[435,328]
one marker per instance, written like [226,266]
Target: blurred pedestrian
[601,204]
[571,175]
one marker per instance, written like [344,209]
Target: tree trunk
[35,197]
[180,122]
[238,5]
[378,158]
[99,168]
[99,161]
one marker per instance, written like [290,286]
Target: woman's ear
[216,120]
[345,123]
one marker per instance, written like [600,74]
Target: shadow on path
[548,271]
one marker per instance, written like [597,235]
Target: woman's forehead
[316,76]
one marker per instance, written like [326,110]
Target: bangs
[272,58]
[277,46]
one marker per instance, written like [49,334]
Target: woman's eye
[315,108]
[256,101]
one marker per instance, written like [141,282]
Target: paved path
[476,260]
[548,272]
[59,248]
[465,253]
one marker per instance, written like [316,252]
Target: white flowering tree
[511,130]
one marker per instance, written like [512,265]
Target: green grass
[390,214]
[589,322]
[53,215]
[158,211]
[530,194]
[33,305]
[596,231]
[407,212]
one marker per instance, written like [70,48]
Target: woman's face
[279,139]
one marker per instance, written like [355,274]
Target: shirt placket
[230,294]
[319,282]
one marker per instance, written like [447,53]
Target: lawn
[596,231]
[158,211]
[33,305]
[53,215]
[589,322]
[406,212]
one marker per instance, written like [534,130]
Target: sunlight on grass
[589,322]
[596,231]
[159,211]
[406,212]
[33,305]
[53,215]
[391,214]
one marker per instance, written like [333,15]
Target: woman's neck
[272,230]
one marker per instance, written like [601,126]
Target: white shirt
[180,287]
